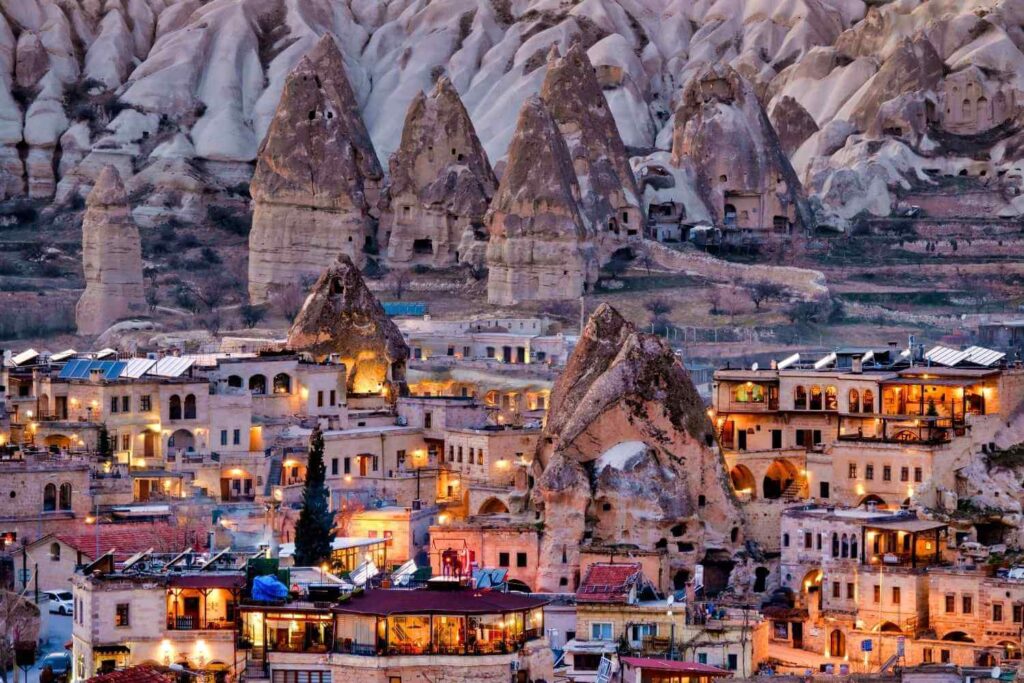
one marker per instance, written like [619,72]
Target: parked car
[59,663]
[61,602]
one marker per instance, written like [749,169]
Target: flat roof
[384,602]
[674,666]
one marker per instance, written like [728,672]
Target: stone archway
[743,480]
[778,477]
[181,440]
[493,506]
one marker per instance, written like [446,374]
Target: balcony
[197,623]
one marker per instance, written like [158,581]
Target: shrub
[229,220]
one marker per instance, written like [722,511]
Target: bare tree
[350,507]
[715,298]
[289,300]
[658,307]
[760,292]
[400,282]
[252,315]
[19,623]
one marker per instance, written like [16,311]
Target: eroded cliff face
[743,173]
[441,182]
[628,456]
[111,258]
[539,246]
[317,178]
[342,317]
[609,201]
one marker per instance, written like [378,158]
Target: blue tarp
[268,588]
[414,308]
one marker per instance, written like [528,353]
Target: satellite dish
[671,600]
[996,672]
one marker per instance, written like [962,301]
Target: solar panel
[171,366]
[944,355]
[115,370]
[68,371]
[137,367]
[983,356]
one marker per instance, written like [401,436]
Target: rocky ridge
[83,84]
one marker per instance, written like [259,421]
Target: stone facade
[111,258]
[971,103]
[317,178]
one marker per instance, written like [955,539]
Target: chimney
[95,375]
[858,365]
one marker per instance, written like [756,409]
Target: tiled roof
[129,539]
[133,674]
[610,583]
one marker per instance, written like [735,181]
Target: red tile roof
[129,539]
[611,583]
[684,668]
[133,674]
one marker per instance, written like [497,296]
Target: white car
[61,602]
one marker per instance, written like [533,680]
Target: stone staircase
[273,475]
[796,490]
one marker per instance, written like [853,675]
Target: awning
[111,650]
[911,526]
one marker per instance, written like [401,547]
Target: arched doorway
[888,627]
[811,586]
[761,579]
[57,441]
[957,637]
[780,474]
[837,643]
[986,659]
[681,578]
[181,440]
[493,506]
[743,480]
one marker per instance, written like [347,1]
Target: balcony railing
[191,623]
[349,647]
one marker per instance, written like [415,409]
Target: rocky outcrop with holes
[441,182]
[111,258]
[628,456]
[609,202]
[742,171]
[343,321]
[540,247]
[317,178]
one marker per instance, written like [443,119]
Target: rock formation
[441,182]
[610,202]
[628,456]
[539,245]
[342,318]
[111,257]
[317,178]
[748,183]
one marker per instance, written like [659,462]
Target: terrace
[398,623]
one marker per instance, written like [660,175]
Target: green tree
[314,531]
[103,445]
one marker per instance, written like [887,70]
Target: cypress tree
[314,530]
[103,445]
